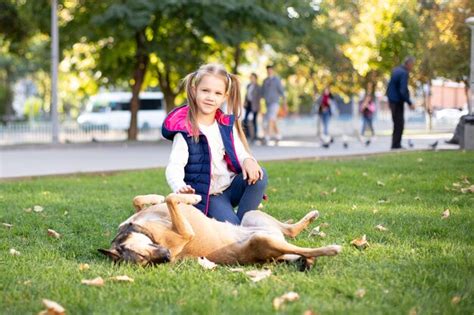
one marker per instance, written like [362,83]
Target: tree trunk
[141,63]
[237,54]
[165,85]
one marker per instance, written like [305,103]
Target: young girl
[210,155]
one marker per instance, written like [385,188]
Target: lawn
[423,263]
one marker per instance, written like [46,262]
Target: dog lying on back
[168,229]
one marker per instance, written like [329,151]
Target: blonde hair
[232,84]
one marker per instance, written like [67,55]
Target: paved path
[39,160]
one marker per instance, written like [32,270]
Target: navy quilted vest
[198,168]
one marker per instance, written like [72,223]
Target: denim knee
[262,183]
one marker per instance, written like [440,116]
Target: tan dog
[166,231]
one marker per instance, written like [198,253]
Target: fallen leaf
[260,206]
[309,312]
[380,183]
[360,243]
[412,311]
[53,308]
[206,264]
[375,210]
[338,172]
[27,282]
[316,231]
[122,278]
[455,300]
[237,269]
[471,188]
[7,225]
[380,227]
[323,193]
[27,210]
[417,198]
[446,214]
[14,252]
[334,190]
[324,224]
[360,293]
[287,297]
[37,208]
[457,185]
[53,233]
[364,174]
[354,207]
[257,275]
[97,282]
[447,188]
[383,200]
[465,179]
[83,267]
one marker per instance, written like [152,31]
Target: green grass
[420,264]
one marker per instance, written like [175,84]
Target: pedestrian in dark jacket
[252,106]
[398,95]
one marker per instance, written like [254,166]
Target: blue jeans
[246,197]
[367,122]
[325,116]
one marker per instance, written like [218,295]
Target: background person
[398,95]
[272,91]
[252,106]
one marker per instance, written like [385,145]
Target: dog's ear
[111,253]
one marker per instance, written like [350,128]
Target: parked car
[111,110]
[449,115]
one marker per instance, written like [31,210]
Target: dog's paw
[334,249]
[311,216]
[189,199]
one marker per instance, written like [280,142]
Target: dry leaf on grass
[455,300]
[324,224]
[364,174]
[323,193]
[257,275]
[413,311]
[445,214]
[334,190]
[206,263]
[27,209]
[7,225]
[14,252]
[122,278]
[420,160]
[53,233]
[260,206]
[360,293]
[96,282]
[354,207]
[38,208]
[380,183]
[316,231]
[380,227]
[417,198]
[287,297]
[52,308]
[236,269]
[360,243]
[83,267]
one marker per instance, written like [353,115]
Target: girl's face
[210,95]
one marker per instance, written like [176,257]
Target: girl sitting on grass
[210,155]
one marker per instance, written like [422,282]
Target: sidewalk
[39,160]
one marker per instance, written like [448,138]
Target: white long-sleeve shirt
[221,176]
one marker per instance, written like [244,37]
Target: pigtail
[189,86]
[234,106]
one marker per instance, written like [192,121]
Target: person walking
[252,106]
[272,91]
[367,110]
[324,106]
[398,95]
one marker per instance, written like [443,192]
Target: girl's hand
[186,190]
[251,171]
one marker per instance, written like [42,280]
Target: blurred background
[113,50]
